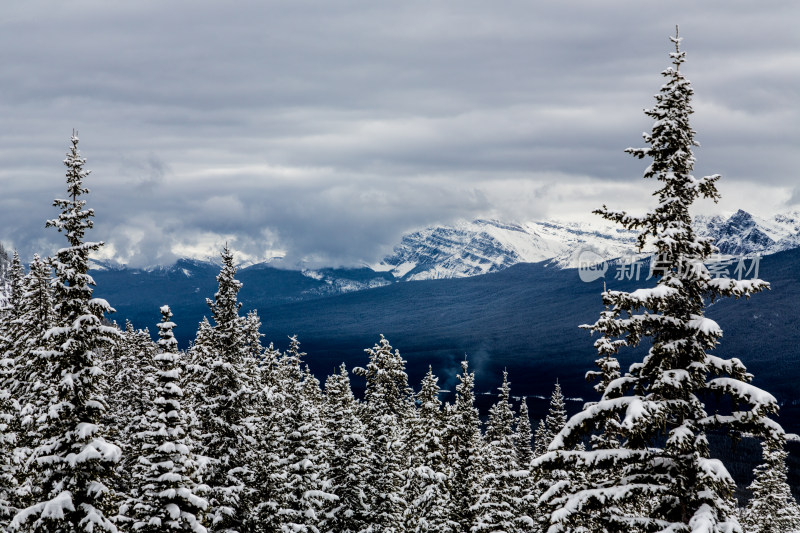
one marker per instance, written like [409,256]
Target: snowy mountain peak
[482,246]
[743,233]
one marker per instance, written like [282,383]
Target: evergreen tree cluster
[104,429]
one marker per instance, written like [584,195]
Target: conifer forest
[104,428]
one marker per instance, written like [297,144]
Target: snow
[646,295]
[313,274]
[86,430]
[705,326]
[635,413]
[57,507]
[745,391]
[404,268]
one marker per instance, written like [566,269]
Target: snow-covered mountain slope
[743,233]
[483,246]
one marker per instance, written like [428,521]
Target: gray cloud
[794,199]
[325,130]
[146,172]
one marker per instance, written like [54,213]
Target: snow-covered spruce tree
[253,335]
[225,406]
[523,436]
[4,261]
[387,409]
[541,480]
[302,483]
[131,386]
[167,494]
[772,509]
[668,481]
[544,480]
[36,315]
[500,499]
[348,459]
[464,452]
[270,431]
[73,461]
[11,330]
[30,369]
[320,498]
[4,288]
[292,450]
[8,464]
[540,443]
[9,325]
[426,490]
[556,414]
[606,436]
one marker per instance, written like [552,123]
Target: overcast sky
[325,130]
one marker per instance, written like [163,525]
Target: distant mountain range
[483,246]
[469,249]
[480,247]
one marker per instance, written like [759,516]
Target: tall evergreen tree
[8,441]
[132,383]
[4,263]
[36,313]
[30,369]
[168,496]
[772,509]
[10,332]
[500,505]
[545,481]
[464,452]
[607,372]
[270,430]
[387,409]
[303,488]
[670,482]
[349,457]
[556,414]
[540,442]
[13,308]
[523,436]
[73,462]
[224,405]
[253,335]
[426,489]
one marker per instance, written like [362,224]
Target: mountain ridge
[467,249]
